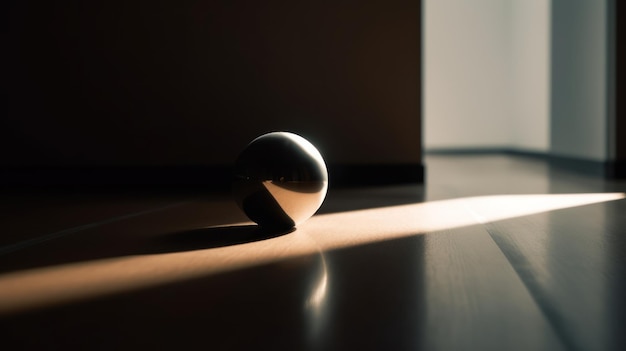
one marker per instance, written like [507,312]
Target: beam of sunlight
[22,290]
[493,208]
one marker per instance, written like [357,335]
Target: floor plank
[487,255]
[572,269]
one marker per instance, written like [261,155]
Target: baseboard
[579,165]
[375,174]
[605,169]
[209,178]
[467,151]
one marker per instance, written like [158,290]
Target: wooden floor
[493,253]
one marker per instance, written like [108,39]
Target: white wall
[579,79]
[466,99]
[530,75]
[486,74]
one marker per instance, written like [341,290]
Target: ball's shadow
[213,237]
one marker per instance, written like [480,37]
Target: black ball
[280,180]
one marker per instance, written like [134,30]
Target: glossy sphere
[280,180]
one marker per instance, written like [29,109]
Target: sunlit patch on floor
[22,290]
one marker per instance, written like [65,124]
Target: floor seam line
[541,307]
[563,337]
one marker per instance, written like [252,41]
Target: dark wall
[191,82]
[620,91]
